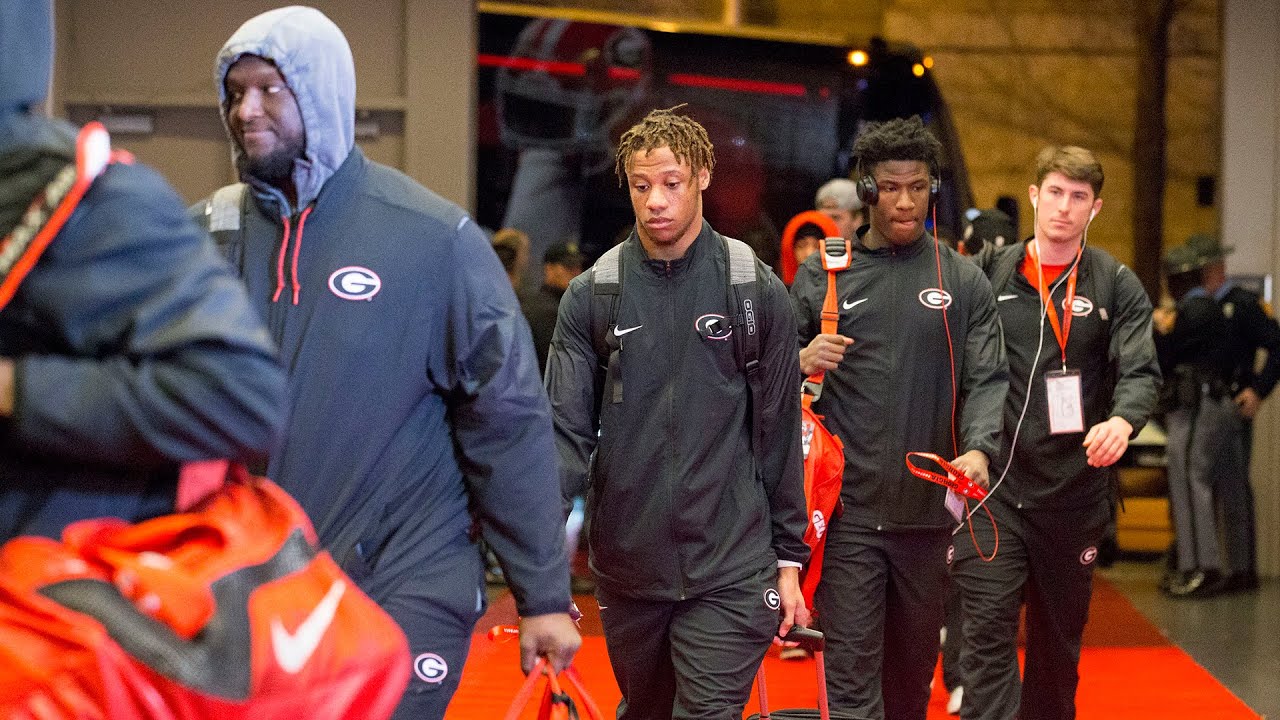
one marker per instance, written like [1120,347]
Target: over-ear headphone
[869,191]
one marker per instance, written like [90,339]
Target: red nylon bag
[823,451]
[226,611]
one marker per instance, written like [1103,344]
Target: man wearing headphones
[1083,380]
[917,365]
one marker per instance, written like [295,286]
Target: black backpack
[743,283]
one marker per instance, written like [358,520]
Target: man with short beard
[417,413]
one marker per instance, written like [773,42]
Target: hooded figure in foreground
[127,346]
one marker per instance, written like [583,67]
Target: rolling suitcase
[813,641]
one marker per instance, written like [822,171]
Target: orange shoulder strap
[836,256]
[51,209]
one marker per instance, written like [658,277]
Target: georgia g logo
[1089,555]
[355,283]
[1080,306]
[713,327]
[935,298]
[431,668]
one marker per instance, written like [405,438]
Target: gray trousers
[1206,453]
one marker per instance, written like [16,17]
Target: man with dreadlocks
[916,365]
[696,529]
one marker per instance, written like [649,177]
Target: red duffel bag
[226,611]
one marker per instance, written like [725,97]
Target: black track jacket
[678,504]
[892,392]
[1110,344]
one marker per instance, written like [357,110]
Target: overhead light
[858,58]
[917,70]
[928,61]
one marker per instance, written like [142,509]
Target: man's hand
[553,636]
[6,387]
[792,609]
[975,465]
[824,352]
[1162,318]
[1107,441]
[1247,403]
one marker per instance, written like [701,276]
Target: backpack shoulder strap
[1107,270]
[743,281]
[837,256]
[606,295]
[1002,268]
[224,218]
[50,210]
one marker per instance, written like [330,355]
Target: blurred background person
[838,199]
[801,238]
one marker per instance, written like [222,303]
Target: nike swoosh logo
[294,649]
[619,332]
[850,305]
[1002,298]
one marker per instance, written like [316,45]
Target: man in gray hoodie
[418,420]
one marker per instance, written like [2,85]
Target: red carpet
[1127,670]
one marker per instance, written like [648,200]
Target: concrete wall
[415,82]
[1251,210]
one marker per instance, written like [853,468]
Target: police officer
[1250,327]
[1204,442]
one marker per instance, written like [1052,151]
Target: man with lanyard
[1082,382]
[892,386]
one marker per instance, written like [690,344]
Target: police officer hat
[1207,248]
[566,254]
[1198,251]
[1181,259]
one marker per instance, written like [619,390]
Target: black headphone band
[869,192]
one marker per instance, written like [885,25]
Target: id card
[1066,404]
[955,505]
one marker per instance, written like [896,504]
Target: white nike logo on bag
[1002,298]
[619,332]
[850,305]
[294,649]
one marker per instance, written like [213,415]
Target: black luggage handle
[810,640]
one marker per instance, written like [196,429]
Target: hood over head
[315,60]
[26,53]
